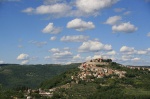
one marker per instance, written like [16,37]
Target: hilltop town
[98,68]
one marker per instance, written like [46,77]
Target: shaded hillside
[135,85]
[14,76]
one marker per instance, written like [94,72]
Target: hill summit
[100,79]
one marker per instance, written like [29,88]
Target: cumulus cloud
[136,59]
[80,25]
[23,57]
[51,29]
[58,9]
[113,20]
[63,55]
[97,56]
[60,56]
[57,54]
[93,46]
[124,27]
[54,50]
[93,6]
[127,50]
[148,34]
[63,8]
[53,38]
[142,52]
[28,10]
[25,62]
[131,50]
[111,53]
[74,38]
[77,57]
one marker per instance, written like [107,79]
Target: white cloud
[113,20]
[131,50]
[111,53]
[77,57]
[59,8]
[127,50]
[93,46]
[80,25]
[136,59]
[53,38]
[93,6]
[23,57]
[28,10]
[124,27]
[97,56]
[54,50]
[148,34]
[51,29]
[63,55]
[25,62]
[1,62]
[142,52]
[74,38]
[60,56]
[119,9]
[55,10]
[63,8]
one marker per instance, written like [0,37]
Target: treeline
[13,76]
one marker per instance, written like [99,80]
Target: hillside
[96,79]
[123,83]
[30,76]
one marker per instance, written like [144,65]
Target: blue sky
[66,31]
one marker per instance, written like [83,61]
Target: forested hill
[69,85]
[14,75]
